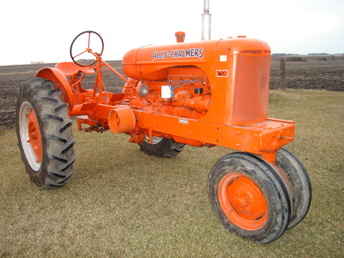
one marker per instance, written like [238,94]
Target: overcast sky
[42,30]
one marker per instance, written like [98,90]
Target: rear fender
[60,80]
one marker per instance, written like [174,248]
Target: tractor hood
[151,63]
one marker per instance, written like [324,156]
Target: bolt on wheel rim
[242,201]
[30,135]
[153,140]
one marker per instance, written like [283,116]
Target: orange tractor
[209,93]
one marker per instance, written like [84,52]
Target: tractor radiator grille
[250,88]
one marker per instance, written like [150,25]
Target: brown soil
[311,74]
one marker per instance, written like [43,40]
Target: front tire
[249,197]
[44,132]
[300,184]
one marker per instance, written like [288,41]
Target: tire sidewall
[37,176]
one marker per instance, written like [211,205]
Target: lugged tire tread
[56,130]
[167,148]
[60,107]
[66,126]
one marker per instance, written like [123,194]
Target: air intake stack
[206,21]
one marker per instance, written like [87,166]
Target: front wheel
[249,197]
[44,132]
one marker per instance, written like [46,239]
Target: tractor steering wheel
[88,53]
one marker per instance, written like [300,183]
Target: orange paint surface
[217,94]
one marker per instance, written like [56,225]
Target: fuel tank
[152,63]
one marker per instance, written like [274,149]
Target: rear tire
[249,197]
[43,100]
[161,147]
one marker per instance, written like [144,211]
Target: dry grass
[122,203]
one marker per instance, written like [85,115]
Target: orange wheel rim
[242,201]
[34,133]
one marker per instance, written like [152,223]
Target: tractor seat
[70,69]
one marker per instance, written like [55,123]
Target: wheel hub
[30,135]
[35,135]
[242,201]
[153,139]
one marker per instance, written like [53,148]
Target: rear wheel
[44,132]
[249,197]
[299,184]
[161,147]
